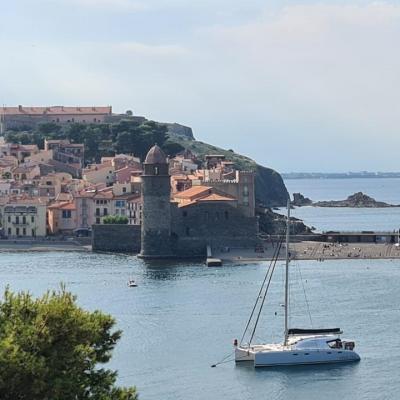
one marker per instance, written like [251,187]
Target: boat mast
[287,273]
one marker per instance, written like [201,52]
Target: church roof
[155,156]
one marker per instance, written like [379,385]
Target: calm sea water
[324,219]
[183,317]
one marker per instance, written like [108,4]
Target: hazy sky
[298,86]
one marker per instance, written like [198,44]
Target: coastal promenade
[42,245]
[319,251]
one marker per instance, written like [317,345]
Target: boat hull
[306,357]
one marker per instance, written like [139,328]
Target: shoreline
[305,250]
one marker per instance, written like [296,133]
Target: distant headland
[339,175]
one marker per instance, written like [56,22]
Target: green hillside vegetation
[136,137]
[101,140]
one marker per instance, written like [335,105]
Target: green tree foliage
[50,349]
[6,175]
[125,136]
[116,219]
[172,148]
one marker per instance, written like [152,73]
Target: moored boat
[299,346]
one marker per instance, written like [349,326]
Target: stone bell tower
[156,212]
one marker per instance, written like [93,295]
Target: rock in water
[299,200]
[356,200]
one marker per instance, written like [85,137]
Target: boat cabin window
[335,344]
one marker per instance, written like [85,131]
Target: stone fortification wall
[116,238]
[218,225]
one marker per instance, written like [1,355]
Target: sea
[348,219]
[183,317]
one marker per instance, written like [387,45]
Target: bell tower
[156,212]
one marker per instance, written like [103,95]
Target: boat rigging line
[271,268]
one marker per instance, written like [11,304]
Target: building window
[66,214]
[97,211]
[9,231]
[9,219]
[120,203]
[17,219]
[122,211]
[105,211]
[24,231]
[156,171]
[97,220]
[17,231]
[33,233]
[24,220]
[32,218]
[124,190]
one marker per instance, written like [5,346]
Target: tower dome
[155,156]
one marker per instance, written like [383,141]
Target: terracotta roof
[155,156]
[136,199]
[192,192]
[62,206]
[55,110]
[179,176]
[64,197]
[23,168]
[216,197]
[103,195]
[28,200]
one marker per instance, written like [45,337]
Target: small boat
[299,346]
[132,283]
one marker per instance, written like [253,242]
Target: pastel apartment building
[62,217]
[24,218]
[66,152]
[99,173]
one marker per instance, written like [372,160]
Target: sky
[296,85]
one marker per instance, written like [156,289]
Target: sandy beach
[320,251]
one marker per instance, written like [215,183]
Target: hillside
[135,135]
[270,189]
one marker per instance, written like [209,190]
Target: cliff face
[179,130]
[270,189]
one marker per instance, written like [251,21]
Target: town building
[98,173]
[62,217]
[24,217]
[200,217]
[66,152]
[29,117]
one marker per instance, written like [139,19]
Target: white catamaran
[300,346]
